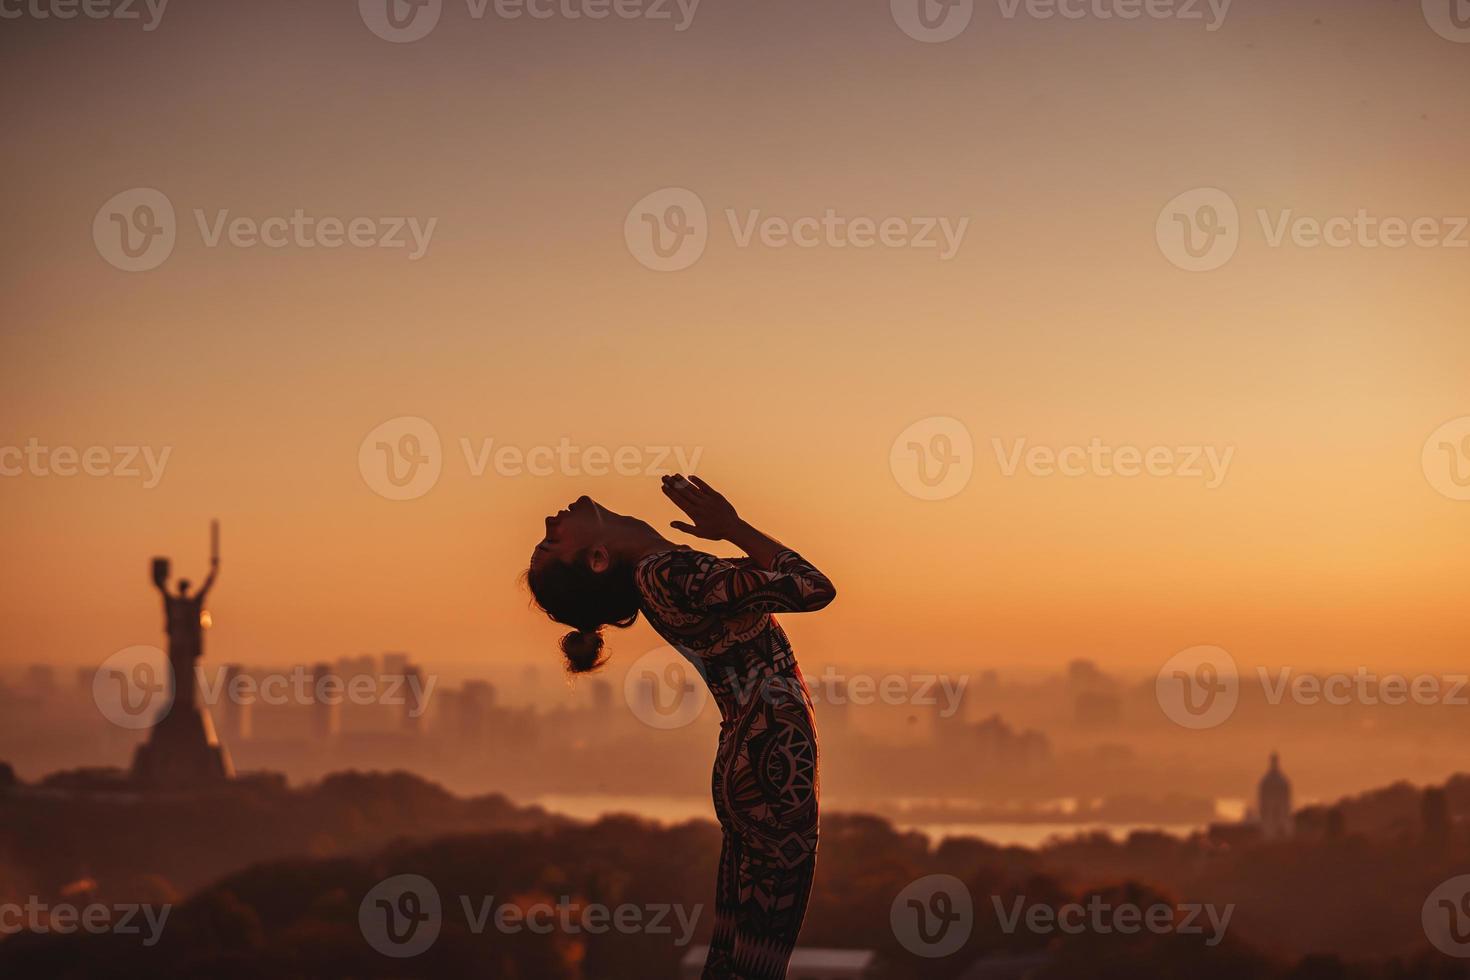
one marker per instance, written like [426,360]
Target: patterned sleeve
[698,582]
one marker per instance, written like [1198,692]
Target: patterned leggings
[765,790]
[759,907]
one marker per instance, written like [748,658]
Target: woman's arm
[715,519]
[776,579]
[761,547]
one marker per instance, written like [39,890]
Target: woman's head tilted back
[581,575]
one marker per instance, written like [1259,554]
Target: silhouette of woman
[596,568]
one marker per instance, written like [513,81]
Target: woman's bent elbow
[822,597]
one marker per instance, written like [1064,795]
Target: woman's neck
[640,546]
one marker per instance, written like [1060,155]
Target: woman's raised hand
[714,517]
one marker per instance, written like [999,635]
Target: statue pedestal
[182,752]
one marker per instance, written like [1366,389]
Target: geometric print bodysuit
[718,614]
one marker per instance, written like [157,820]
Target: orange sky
[792,370]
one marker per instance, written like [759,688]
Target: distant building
[1270,819]
[483,693]
[1082,673]
[415,703]
[806,964]
[998,744]
[327,688]
[602,697]
[463,715]
[360,666]
[1274,802]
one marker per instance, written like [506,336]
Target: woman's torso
[743,655]
[765,777]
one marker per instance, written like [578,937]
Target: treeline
[88,825]
[296,866]
[300,918]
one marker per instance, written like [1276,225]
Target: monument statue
[183,750]
[183,620]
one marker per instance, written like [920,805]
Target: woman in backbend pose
[596,568]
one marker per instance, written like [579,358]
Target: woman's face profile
[569,532]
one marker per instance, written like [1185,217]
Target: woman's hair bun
[583,650]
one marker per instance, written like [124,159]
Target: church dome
[1275,782]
